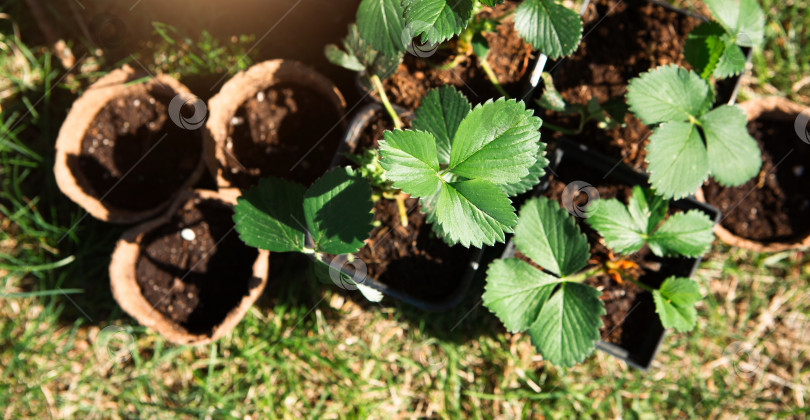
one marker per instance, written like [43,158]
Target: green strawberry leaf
[675,303]
[549,26]
[270,216]
[337,209]
[480,46]
[492,2]
[744,20]
[549,236]
[361,57]
[647,209]
[667,93]
[474,212]
[731,62]
[381,24]
[704,47]
[684,234]
[437,20]
[486,132]
[440,113]
[411,162]
[677,159]
[516,292]
[733,155]
[536,172]
[617,226]
[567,328]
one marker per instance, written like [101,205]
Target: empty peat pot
[771,212]
[121,154]
[278,118]
[187,275]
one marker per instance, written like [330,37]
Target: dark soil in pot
[288,131]
[134,156]
[774,206]
[411,259]
[509,57]
[621,40]
[194,270]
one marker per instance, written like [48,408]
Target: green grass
[312,352]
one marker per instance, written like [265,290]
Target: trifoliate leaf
[474,212]
[731,62]
[536,172]
[440,114]
[437,21]
[568,326]
[549,26]
[733,154]
[744,20]
[667,93]
[551,238]
[381,24]
[647,208]
[479,149]
[677,159]
[516,292]
[270,216]
[337,209]
[704,47]
[675,303]
[684,234]
[411,162]
[361,57]
[615,224]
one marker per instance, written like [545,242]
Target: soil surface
[412,259]
[288,131]
[134,156]
[197,282]
[620,41]
[774,206]
[509,58]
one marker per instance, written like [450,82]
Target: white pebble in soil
[237,121]
[260,96]
[188,234]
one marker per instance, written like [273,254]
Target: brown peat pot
[123,153]
[278,118]
[186,274]
[770,213]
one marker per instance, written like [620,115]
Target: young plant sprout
[465,163]
[691,140]
[713,48]
[545,24]
[358,55]
[608,115]
[548,298]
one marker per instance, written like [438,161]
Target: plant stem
[403,212]
[641,285]
[451,65]
[375,80]
[570,132]
[585,275]
[492,78]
